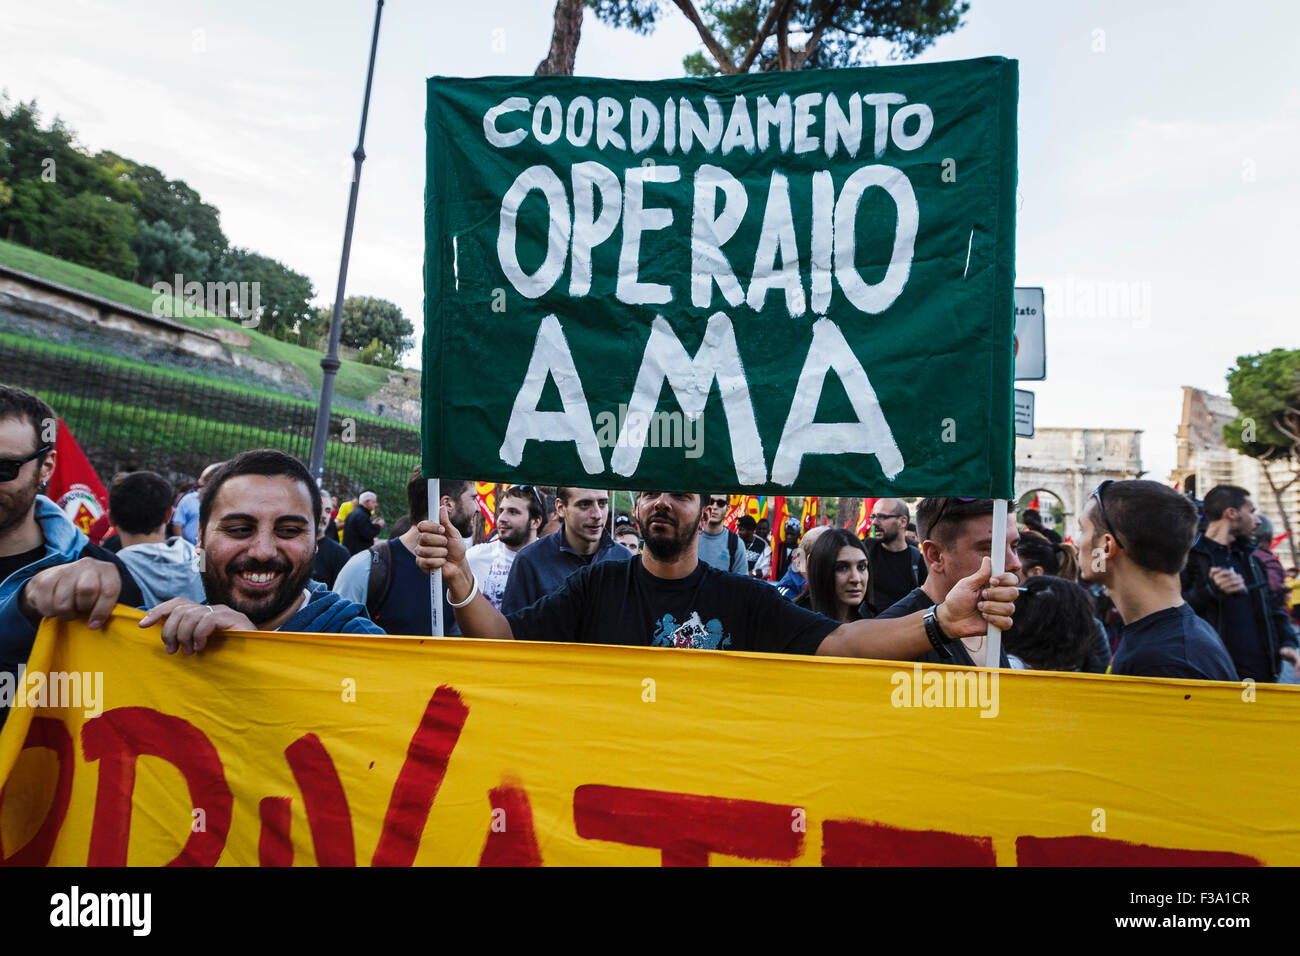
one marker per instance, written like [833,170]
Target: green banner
[763,283]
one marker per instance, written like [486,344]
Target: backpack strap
[381,577]
[733,543]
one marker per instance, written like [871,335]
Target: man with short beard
[894,566]
[518,519]
[257,535]
[385,578]
[34,533]
[667,597]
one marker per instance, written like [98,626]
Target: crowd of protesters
[1149,584]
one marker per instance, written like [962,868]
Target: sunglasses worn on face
[719,502]
[9,467]
[1101,511]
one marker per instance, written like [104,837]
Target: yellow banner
[297,749]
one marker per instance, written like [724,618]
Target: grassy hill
[354,380]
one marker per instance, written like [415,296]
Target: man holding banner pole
[667,597]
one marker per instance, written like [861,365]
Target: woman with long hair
[837,576]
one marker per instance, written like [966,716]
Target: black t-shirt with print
[620,602]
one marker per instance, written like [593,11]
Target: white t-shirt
[491,563]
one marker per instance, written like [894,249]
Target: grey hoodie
[165,571]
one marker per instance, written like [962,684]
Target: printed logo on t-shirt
[693,633]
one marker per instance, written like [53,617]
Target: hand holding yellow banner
[280,749]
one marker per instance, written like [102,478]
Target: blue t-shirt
[187,516]
[1237,626]
[1173,642]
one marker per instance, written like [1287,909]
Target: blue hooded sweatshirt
[327,613]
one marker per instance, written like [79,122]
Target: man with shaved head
[895,568]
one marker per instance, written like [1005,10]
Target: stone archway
[1069,463]
[1051,508]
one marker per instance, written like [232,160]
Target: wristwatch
[938,639]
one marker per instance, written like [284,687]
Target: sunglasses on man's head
[530,490]
[943,510]
[9,467]
[1101,511]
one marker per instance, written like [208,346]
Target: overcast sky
[1159,153]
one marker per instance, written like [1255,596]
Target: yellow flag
[279,749]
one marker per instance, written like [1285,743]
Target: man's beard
[220,590]
[464,523]
[16,503]
[894,538]
[665,548]
[513,537]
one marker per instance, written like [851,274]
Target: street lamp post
[330,363]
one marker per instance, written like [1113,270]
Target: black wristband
[938,639]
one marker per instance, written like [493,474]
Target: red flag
[1278,540]
[863,529]
[734,511]
[779,516]
[811,509]
[487,504]
[74,486]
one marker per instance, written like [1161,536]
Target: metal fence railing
[128,420]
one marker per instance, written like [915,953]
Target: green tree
[94,231]
[366,318]
[31,211]
[111,176]
[284,295]
[741,36]
[314,330]
[174,202]
[1265,389]
[165,252]
[378,353]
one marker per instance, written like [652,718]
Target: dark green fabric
[938,356]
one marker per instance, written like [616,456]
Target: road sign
[1031,349]
[1024,413]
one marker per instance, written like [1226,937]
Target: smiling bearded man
[257,538]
